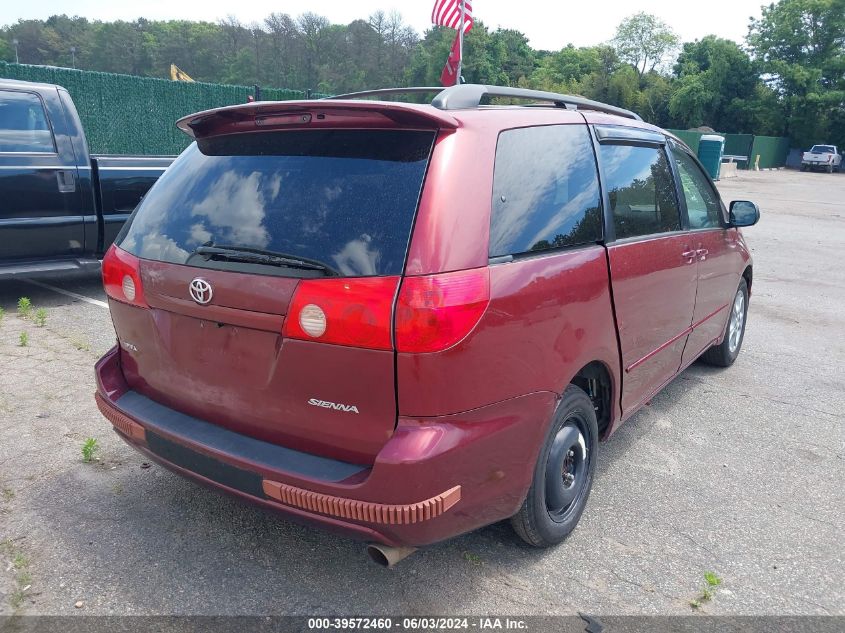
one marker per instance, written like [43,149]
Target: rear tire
[563,475]
[724,354]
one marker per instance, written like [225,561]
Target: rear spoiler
[274,115]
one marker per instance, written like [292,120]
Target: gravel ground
[738,472]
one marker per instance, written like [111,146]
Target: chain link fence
[125,114]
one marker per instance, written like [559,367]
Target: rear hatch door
[226,237]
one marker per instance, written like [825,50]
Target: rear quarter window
[344,197]
[545,190]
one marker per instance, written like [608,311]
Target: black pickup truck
[60,208]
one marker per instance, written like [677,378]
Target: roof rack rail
[381,92]
[465,96]
[468,96]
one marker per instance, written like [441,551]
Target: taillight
[435,312]
[122,277]
[352,312]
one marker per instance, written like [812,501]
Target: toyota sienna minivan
[407,321]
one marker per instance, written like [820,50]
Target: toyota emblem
[200,291]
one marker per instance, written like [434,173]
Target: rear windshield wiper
[260,256]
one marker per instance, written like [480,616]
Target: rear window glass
[346,198]
[545,190]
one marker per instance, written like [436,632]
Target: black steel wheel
[563,475]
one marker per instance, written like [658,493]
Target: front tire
[563,475]
[724,354]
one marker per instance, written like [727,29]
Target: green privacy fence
[740,145]
[772,150]
[124,114]
[690,138]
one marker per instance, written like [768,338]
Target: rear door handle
[67,180]
[702,254]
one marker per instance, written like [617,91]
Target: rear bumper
[813,163]
[433,479]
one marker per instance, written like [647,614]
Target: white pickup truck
[825,157]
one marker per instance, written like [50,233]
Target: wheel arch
[748,275]
[596,380]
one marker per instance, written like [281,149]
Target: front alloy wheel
[736,326]
[724,354]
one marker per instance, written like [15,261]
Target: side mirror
[744,213]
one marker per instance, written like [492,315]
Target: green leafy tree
[644,41]
[478,63]
[800,45]
[123,47]
[717,79]
[510,52]
[624,88]
[568,66]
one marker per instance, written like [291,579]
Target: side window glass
[703,205]
[23,123]
[545,190]
[641,190]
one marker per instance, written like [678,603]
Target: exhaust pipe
[388,556]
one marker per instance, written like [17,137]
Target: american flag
[448,13]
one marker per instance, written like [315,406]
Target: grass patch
[2,314]
[711,582]
[20,561]
[23,339]
[40,317]
[20,564]
[475,559]
[24,307]
[8,494]
[81,345]
[89,448]
[16,599]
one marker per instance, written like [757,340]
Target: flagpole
[461,42]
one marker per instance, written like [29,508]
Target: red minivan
[407,321]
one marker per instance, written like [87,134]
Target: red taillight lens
[435,312]
[352,312]
[122,277]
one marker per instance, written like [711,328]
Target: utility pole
[461,42]
[15,42]
[73,56]
[257,61]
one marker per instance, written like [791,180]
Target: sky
[547,24]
